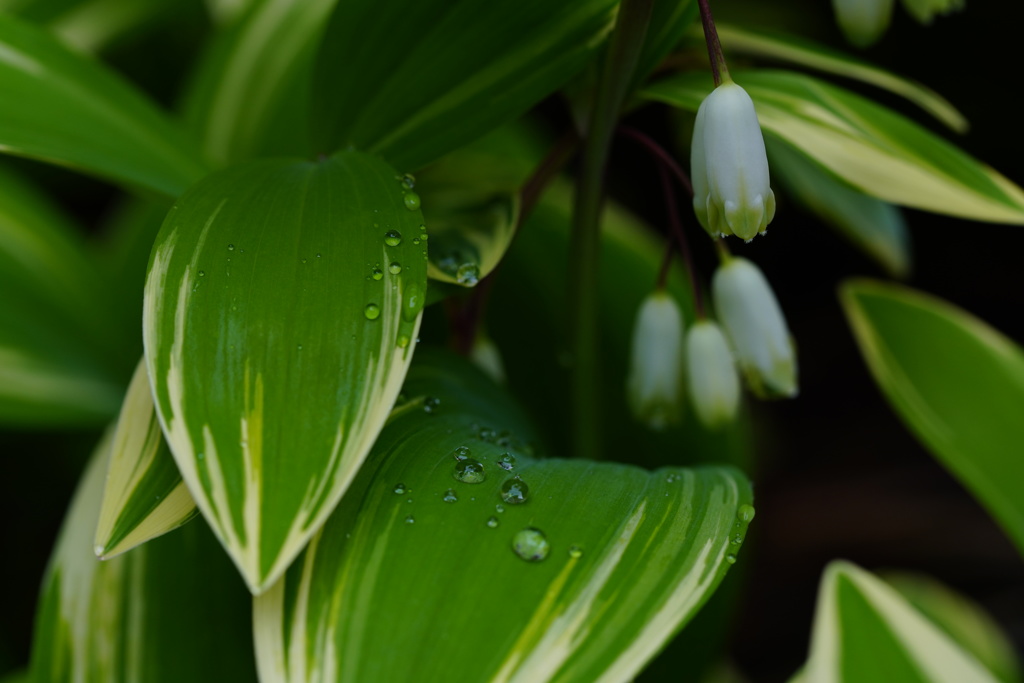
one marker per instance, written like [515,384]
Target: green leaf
[170,611]
[416,81]
[875,227]
[471,204]
[874,149]
[864,631]
[803,52]
[584,580]
[957,384]
[55,364]
[670,20]
[250,75]
[63,108]
[144,496]
[274,350]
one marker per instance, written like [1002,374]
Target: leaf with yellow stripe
[459,556]
[281,305]
[144,496]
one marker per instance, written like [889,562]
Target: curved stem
[719,70]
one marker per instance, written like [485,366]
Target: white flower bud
[711,375]
[729,167]
[654,387]
[755,326]
[862,21]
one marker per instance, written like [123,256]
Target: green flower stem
[719,70]
[620,63]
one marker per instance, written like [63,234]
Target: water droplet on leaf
[531,545]
[469,471]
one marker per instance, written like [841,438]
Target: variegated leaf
[458,556]
[172,610]
[281,304]
[144,496]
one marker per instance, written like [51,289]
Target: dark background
[837,475]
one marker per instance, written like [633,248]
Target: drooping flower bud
[729,167]
[863,22]
[654,387]
[755,326]
[711,375]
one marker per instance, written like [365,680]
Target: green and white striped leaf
[172,610]
[422,575]
[957,384]
[144,496]
[280,308]
[877,228]
[803,52]
[256,68]
[63,108]
[55,360]
[865,631]
[872,148]
[414,81]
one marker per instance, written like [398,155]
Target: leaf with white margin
[876,150]
[144,496]
[280,308]
[418,562]
[866,631]
[172,610]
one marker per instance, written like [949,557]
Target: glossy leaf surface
[61,107]
[144,495]
[172,610]
[416,81]
[574,571]
[874,149]
[956,383]
[864,631]
[277,336]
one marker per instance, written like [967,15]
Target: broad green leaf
[961,619]
[471,204]
[874,149]
[796,50]
[957,384]
[170,611]
[63,108]
[874,226]
[414,81]
[250,75]
[584,579]
[280,308]
[55,364]
[864,631]
[144,496]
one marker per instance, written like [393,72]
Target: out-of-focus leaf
[172,610]
[91,26]
[414,81]
[874,149]
[803,52]
[250,75]
[281,305]
[961,619]
[670,20]
[864,631]
[874,226]
[582,580]
[55,361]
[144,496]
[956,383]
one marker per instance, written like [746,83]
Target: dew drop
[400,488]
[410,519]
[202,273]
[737,540]
[403,341]
[413,303]
[431,404]
[377,273]
[575,552]
[499,508]
[412,201]
[392,238]
[469,471]
[461,453]
[531,545]
[507,462]
[395,268]
[467,274]
[730,558]
[231,247]
[416,240]
[493,522]
[514,491]
[745,513]
[409,180]
[450,496]
[372,311]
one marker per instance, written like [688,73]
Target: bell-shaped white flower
[654,387]
[863,22]
[729,167]
[711,375]
[755,326]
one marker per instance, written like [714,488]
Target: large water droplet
[395,268]
[412,201]
[745,513]
[531,544]
[469,471]
[514,491]
[372,311]
[392,238]
[507,462]
[450,496]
